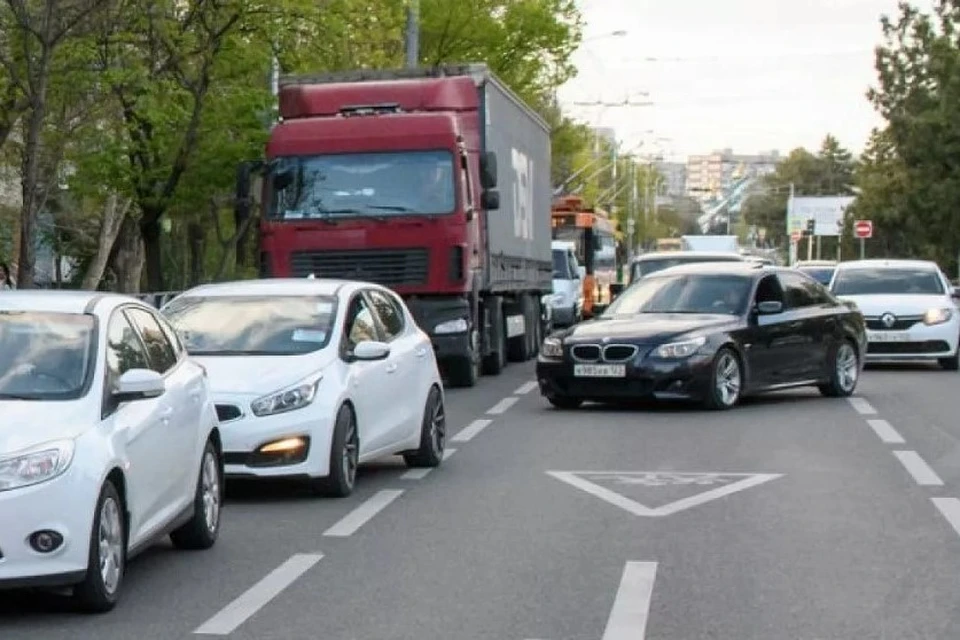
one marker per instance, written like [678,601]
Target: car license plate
[887,336]
[600,370]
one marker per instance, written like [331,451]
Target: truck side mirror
[488,170]
[490,200]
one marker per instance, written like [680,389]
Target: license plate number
[887,336]
[600,370]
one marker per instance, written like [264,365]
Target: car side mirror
[371,350]
[139,384]
[769,307]
[490,200]
[488,170]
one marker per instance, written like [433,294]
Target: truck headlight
[40,464]
[683,349]
[292,398]
[937,316]
[552,348]
[451,326]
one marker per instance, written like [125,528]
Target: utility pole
[413,34]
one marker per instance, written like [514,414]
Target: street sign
[863,229]
[795,235]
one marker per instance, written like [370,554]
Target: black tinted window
[561,270]
[887,281]
[796,291]
[714,294]
[389,312]
[162,355]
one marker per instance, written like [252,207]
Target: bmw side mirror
[769,307]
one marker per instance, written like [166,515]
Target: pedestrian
[6,281]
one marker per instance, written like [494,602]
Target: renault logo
[888,320]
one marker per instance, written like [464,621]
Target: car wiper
[389,207]
[359,214]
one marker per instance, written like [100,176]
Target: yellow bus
[669,244]
[595,236]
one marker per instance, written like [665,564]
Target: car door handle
[421,352]
[391,367]
[166,414]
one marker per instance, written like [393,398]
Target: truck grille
[386,267]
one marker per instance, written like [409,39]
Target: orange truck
[595,237]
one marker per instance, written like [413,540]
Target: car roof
[276,287]
[747,269]
[815,263]
[63,301]
[723,255]
[889,264]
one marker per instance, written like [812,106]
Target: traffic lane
[169,593]
[842,545]
[919,402]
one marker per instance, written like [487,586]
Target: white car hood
[259,375]
[898,305]
[26,423]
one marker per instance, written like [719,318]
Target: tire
[433,433]
[726,381]
[844,371]
[202,530]
[344,457]
[100,589]
[565,402]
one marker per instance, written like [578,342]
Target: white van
[566,303]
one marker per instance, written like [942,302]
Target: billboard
[826,211]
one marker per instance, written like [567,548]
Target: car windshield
[253,325]
[561,268]
[820,274]
[643,268]
[687,293]
[44,355]
[362,184]
[887,281]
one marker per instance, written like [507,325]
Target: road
[595,524]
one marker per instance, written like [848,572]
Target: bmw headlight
[289,399]
[552,348]
[451,326]
[40,464]
[937,316]
[683,349]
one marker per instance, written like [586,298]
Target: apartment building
[709,175]
[673,179]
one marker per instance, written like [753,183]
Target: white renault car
[312,377]
[909,307]
[108,441]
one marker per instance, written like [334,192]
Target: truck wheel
[495,362]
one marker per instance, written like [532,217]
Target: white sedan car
[108,441]
[312,377]
[908,306]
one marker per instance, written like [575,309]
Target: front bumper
[919,342]
[645,377]
[66,505]
[243,433]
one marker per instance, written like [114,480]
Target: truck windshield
[381,184]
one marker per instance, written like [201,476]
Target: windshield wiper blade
[359,214]
[389,207]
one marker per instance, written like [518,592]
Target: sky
[749,75]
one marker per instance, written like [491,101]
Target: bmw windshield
[643,268]
[44,355]
[253,325]
[687,293]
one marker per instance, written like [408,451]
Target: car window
[643,268]
[769,290]
[172,336]
[124,349]
[360,325]
[689,293]
[163,356]
[887,281]
[796,294]
[390,314]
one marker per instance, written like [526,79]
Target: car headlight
[40,464]
[680,349]
[552,348]
[452,326]
[289,399]
[937,316]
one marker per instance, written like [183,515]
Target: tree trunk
[195,239]
[114,214]
[150,232]
[128,256]
[32,201]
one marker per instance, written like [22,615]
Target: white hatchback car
[909,307]
[312,377]
[108,441]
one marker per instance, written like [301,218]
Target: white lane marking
[918,468]
[861,406]
[525,388]
[631,608]
[251,601]
[349,524]
[470,431]
[950,508]
[502,406]
[421,473]
[885,431]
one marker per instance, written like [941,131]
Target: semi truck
[434,182]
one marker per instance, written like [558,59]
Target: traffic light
[811,227]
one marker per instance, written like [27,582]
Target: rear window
[887,281]
[643,268]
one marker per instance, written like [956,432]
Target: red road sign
[795,235]
[863,229]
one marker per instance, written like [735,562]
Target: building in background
[708,176]
[674,179]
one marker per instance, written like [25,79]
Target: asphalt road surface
[792,517]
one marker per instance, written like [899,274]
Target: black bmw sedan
[711,333]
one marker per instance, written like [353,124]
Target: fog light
[45,541]
[287,445]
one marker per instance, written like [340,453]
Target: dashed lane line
[350,523]
[917,467]
[421,473]
[525,388]
[950,509]
[502,406]
[861,406]
[471,430]
[885,431]
[254,599]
